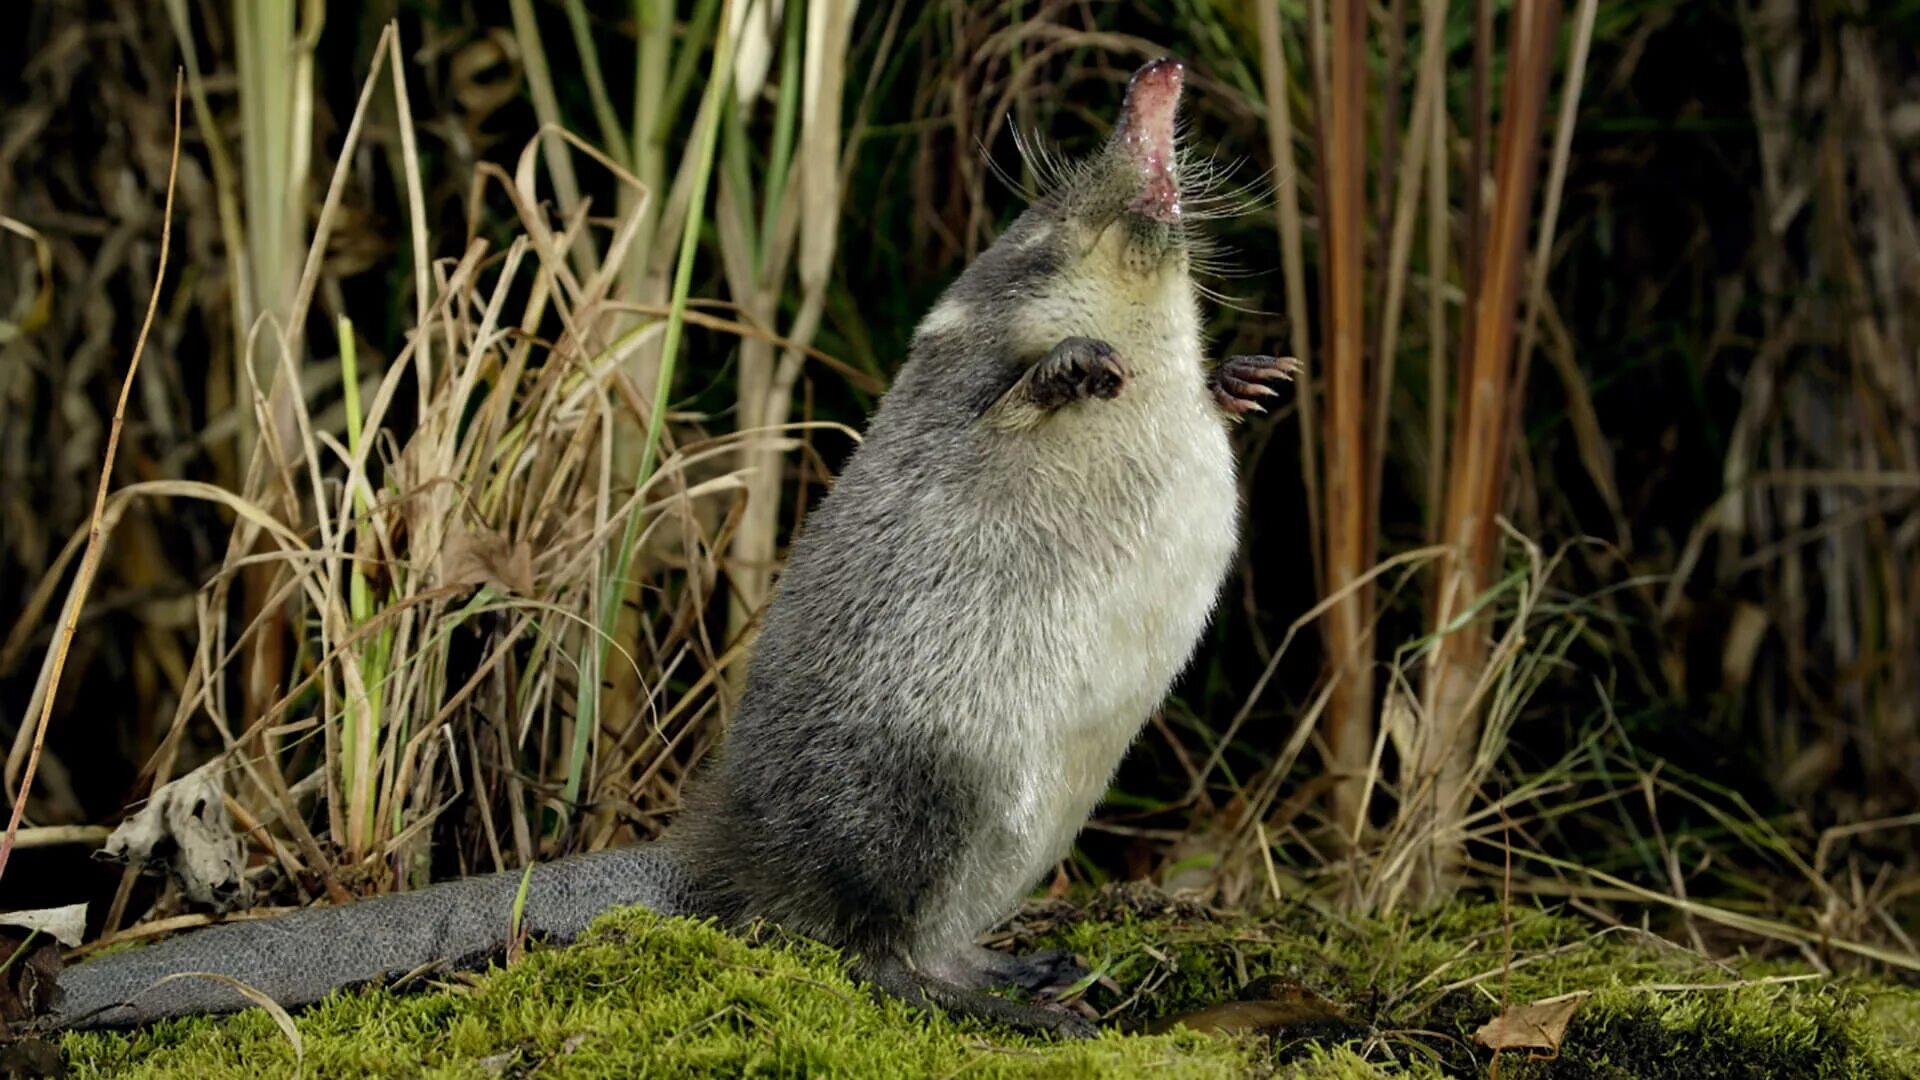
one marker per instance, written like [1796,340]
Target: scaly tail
[299,958]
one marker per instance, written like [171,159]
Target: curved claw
[1243,388]
[1264,367]
[1239,383]
[1075,369]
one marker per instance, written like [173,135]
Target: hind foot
[981,968]
[931,992]
[1036,972]
[1240,383]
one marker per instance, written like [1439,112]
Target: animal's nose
[1166,69]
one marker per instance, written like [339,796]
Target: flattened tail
[299,958]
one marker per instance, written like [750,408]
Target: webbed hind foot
[1034,972]
[931,992]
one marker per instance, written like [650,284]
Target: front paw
[1240,383]
[1076,369]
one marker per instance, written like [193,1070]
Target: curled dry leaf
[486,75]
[1536,1027]
[185,825]
[485,557]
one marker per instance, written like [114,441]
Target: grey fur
[970,630]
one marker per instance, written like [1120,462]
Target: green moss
[644,996]
[641,997]
[1753,1032]
[1424,985]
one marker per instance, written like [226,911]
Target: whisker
[1050,171]
[1003,175]
[1231,303]
[1232,273]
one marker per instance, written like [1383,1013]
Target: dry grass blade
[40,309]
[62,836]
[546,103]
[1557,174]
[278,1012]
[1280,135]
[797,218]
[90,560]
[1429,97]
[1432,64]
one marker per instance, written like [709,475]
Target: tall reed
[1436,733]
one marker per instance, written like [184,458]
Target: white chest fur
[1135,502]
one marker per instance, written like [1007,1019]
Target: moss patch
[641,996]
[644,996]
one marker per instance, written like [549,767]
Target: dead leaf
[67,925]
[485,557]
[30,973]
[1270,1005]
[1538,1026]
[185,824]
[31,1057]
[29,976]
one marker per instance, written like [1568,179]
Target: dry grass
[1481,448]
[90,557]
[442,592]
[1435,731]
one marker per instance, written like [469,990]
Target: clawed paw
[1036,972]
[1077,368]
[1241,383]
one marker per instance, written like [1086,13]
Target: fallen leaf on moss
[31,1057]
[1270,1005]
[1538,1026]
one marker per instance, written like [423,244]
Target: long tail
[299,958]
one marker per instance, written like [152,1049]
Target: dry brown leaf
[1270,1005]
[31,1057]
[484,557]
[1534,1027]
[29,976]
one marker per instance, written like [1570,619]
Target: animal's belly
[1141,631]
[1122,638]
[1080,664]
